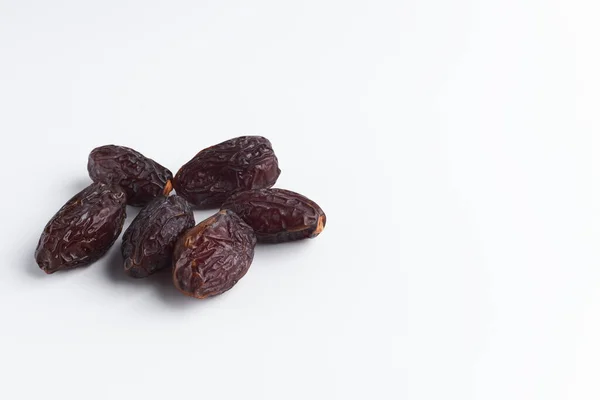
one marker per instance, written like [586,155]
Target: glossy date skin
[83,230]
[215,173]
[278,215]
[212,257]
[148,242]
[142,179]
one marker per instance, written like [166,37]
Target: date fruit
[213,256]
[148,242]
[278,215]
[83,230]
[142,178]
[215,173]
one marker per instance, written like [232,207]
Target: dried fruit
[83,229]
[215,173]
[142,178]
[148,242]
[278,215]
[213,256]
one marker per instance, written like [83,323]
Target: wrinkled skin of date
[213,256]
[142,178]
[215,173]
[148,242]
[278,215]
[83,230]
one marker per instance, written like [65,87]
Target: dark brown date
[148,242]
[215,173]
[278,215]
[213,256]
[83,230]
[142,178]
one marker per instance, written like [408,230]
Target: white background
[451,144]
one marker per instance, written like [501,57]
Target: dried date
[215,173]
[83,229]
[212,257]
[148,242]
[142,178]
[278,215]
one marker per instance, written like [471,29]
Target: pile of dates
[205,259]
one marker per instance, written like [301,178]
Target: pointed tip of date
[320,226]
[168,188]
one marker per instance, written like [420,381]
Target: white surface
[449,142]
